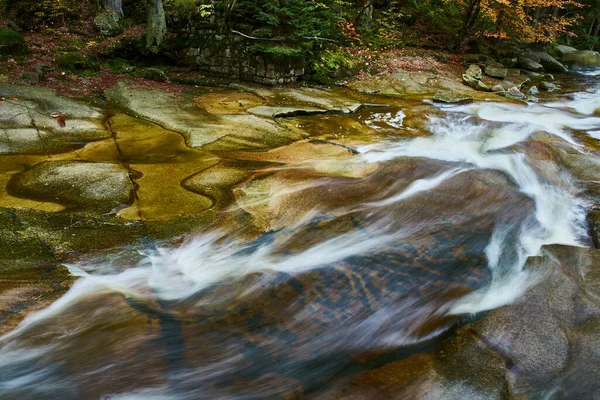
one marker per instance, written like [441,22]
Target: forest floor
[45,47]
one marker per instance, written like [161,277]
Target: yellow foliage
[524,20]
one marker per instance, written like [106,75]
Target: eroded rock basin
[288,243]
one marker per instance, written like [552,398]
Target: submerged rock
[544,342]
[86,185]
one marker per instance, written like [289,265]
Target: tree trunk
[114,6]
[364,19]
[157,24]
[471,15]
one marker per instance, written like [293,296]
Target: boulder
[548,77]
[471,81]
[533,90]
[547,86]
[108,24]
[34,77]
[83,185]
[549,63]
[474,58]
[496,72]
[11,42]
[562,49]
[515,93]
[474,71]
[533,76]
[155,74]
[528,55]
[582,59]
[509,62]
[74,62]
[493,63]
[531,65]
[498,89]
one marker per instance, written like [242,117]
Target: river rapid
[354,270]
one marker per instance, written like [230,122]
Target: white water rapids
[466,139]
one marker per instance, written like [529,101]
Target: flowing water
[353,270]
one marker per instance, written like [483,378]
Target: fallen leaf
[60,120]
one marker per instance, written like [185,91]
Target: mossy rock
[98,186]
[75,63]
[11,42]
[108,24]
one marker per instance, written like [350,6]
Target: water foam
[559,215]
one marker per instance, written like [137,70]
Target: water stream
[366,269]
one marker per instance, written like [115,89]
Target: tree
[114,6]
[156,28]
[531,21]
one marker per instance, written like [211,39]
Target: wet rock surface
[496,357]
[292,171]
[100,186]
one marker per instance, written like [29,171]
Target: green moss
[11,42]
[278,50]
[75,63]
[332,64]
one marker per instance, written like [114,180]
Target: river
[361,262]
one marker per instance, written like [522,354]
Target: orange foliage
[524,20]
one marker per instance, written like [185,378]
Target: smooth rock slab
[98,186]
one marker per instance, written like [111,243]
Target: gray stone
[548,77]
[547,86]
[534,76]
[497,89]
[155,74]
[108,24]
[496,72]
[528,55]
[493,63]
[452,98]
[474,58]
[474,71]
[582,59]
[531,65]
[509,62]
[34,77]
[562,49]
[549,63]
[98,186]
[533,90]
[515,93]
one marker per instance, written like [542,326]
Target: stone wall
[202,40]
